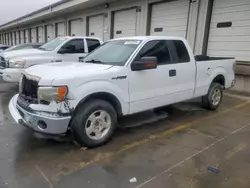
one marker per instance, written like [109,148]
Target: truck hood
[51,71]
[23,53]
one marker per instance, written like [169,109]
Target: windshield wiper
[95,61]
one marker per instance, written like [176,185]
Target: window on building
[92,44]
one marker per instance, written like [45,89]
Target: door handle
[58,60]
[172,73]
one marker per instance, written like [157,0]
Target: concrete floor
[172,152]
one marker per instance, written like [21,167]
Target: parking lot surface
[190,148]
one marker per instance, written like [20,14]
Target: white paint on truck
[122,77]
[62,49]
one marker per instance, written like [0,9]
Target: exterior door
[21,36]
[167,84]
[60,29]
[49,33]
[75,51]
[40,34]
[169,18]
[96,26]
[229,34]
[76,27]
[125,23]
[27,33]
[33,35]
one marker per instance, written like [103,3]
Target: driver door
[154,87]
[74,50]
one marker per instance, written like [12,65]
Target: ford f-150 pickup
[122,77]
[62,49]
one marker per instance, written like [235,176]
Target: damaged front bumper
[42,123]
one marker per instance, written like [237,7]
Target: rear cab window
[92,44]
[181,51]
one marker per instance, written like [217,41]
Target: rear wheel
[213,99]
[94,123]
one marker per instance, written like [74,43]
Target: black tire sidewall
[213,87]
[79,121]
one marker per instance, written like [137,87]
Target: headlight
[17,63]
[52,93]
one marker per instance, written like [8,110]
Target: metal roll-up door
[33,35]
[60,29]
[125,23]
[75,27]
[9,39]
[17,37]
[13,38]
[40,34]
[170,18]
[96,26]
[229,34]
[22,36]
[49,33]
[27,35]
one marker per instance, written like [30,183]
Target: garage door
[229,34]
[17,37]
[49,33]
[13,37]
[60,29]
[40,34]
[22,36]
[125,23]
[169,18]
[27,38]
[75,27]
[33,35]
[96,26]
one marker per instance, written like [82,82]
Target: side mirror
[145,63]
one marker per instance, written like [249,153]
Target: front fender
[120,91]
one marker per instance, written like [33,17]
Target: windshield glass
[52,45]
[114,52]
[18,47]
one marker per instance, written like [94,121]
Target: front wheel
[213,99]
[94,123]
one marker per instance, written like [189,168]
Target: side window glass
[92,44]
[181,51]
[158,49]
[74,46]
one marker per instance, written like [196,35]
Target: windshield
[52,45]
[18,47]
[114,52]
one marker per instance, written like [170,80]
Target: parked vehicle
[23,46]
[62,49]
[122,77]
[3,47]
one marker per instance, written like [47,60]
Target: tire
[88,126]
[208,101]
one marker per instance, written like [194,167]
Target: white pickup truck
[122,77]
[62,49]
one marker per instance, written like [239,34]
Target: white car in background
[61,49]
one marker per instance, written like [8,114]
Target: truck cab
[61,49]
[122,77]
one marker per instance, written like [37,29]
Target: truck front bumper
[11,74]
[45,124]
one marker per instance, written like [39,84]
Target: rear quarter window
[181,51]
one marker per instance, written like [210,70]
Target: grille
[30,87]
[2,62]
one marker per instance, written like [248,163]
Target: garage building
[212,27]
